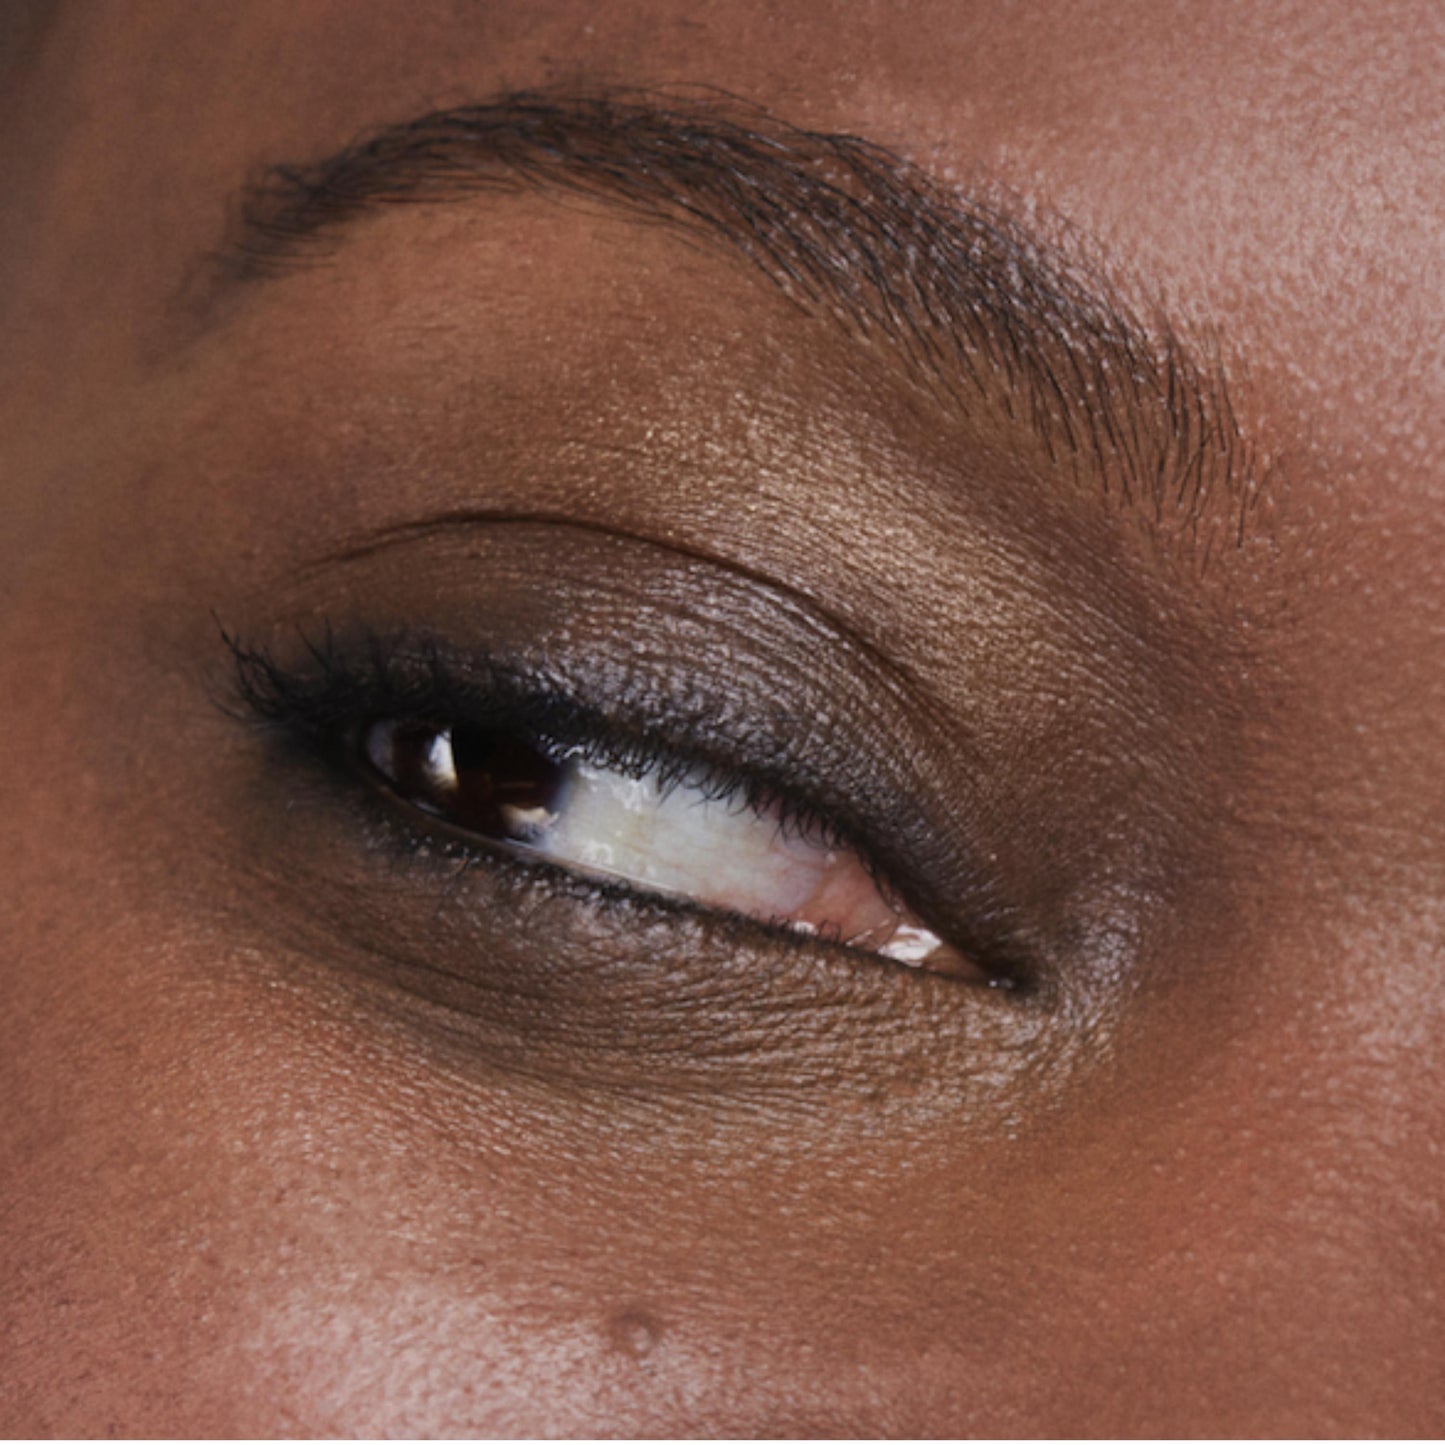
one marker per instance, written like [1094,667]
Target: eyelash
[337,690]
[394,678]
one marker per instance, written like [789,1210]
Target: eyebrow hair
[959,289]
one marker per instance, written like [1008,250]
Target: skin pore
[1074,555]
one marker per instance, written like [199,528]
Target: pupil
[506,787]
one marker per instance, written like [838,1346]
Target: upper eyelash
[405,677]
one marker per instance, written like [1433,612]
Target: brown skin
[264,1172]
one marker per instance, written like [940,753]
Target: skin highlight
[303,1133]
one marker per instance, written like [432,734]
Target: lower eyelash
[394,838]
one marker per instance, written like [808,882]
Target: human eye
[493,764]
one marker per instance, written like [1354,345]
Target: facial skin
[305,1130]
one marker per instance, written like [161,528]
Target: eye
[673,833]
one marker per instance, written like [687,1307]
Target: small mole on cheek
[634,1333]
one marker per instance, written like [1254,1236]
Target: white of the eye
[719,851]
[682,841]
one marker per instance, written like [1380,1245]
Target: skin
[624,1172]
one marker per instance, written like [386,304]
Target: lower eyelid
[519,972]
[450,863]
[455,860]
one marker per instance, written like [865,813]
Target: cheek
[266,1217]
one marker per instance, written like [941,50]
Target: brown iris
[492,782]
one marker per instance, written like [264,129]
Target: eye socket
[679,834]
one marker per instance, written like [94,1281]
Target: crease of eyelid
[912,690]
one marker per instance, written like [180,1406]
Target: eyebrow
[959,290]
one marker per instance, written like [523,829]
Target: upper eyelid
[459,522]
